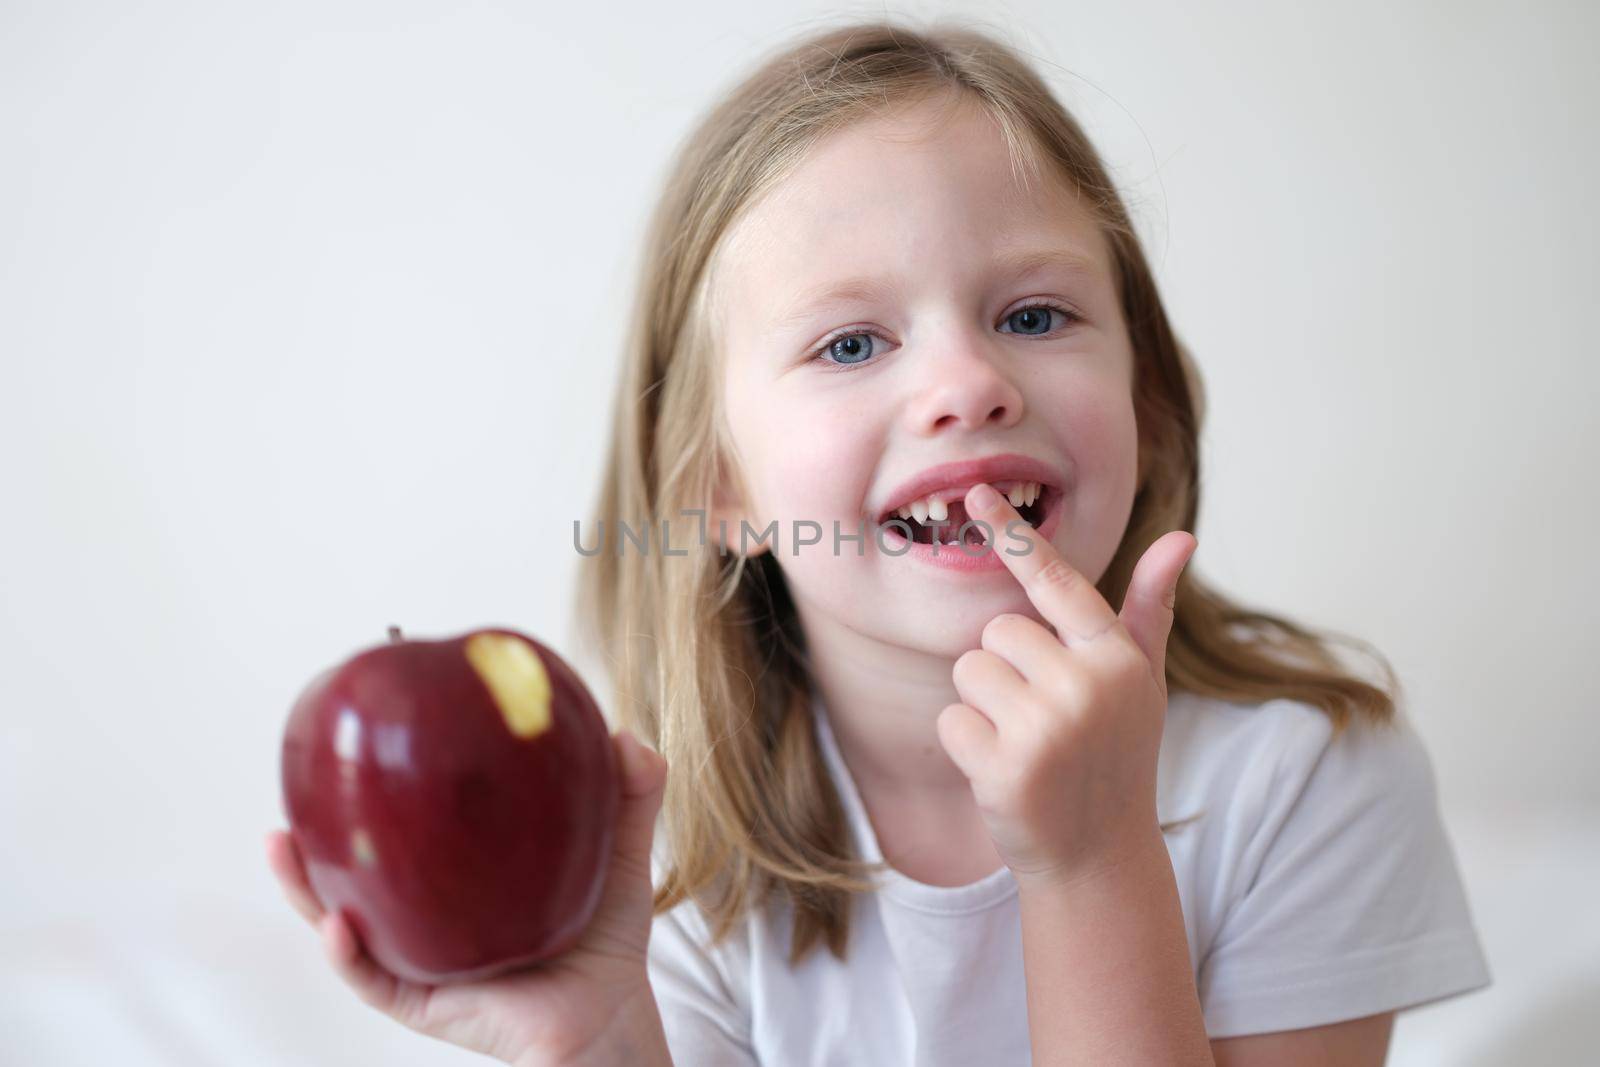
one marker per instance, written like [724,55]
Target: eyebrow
[1011,264]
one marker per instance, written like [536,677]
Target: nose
[963,386]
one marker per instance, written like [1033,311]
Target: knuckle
[1008,781]
[631,867]
[1024,772]
[1065,688]
[1130,661]
[1057,574]
[1096,635]
[997,628]
[966,664]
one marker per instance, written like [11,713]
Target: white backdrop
[309,318]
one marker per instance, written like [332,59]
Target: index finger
[284,859]
[1062,593]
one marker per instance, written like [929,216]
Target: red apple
[455,799]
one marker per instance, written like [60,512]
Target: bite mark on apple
[361,848]
[516,679]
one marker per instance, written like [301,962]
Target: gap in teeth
[1020,494]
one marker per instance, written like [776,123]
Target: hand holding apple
[592,1003]
[456,799]
[591,993]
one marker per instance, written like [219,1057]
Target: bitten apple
[455,799]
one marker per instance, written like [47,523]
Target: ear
[727,516]
[1146,454]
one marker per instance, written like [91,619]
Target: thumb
[621,922]
[644,778]
[1149,605]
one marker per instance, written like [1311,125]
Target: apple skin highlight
[456,800]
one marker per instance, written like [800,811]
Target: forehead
[926,191]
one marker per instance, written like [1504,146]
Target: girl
[958,776]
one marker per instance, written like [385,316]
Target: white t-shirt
[1317,885]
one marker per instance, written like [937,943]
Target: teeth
[1021,494]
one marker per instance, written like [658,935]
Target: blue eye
[855,347]
[1037,314]
[852,347]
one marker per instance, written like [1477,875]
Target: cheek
[1109,440]
[1093,420]
[1096,516]
[1095,428]
[810,457]
[822,462]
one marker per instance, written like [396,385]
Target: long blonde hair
[704,650]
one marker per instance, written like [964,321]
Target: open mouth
[943,515]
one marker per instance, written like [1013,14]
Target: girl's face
[875,322]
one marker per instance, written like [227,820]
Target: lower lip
[982,558]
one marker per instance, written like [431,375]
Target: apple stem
[394,635]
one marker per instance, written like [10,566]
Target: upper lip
[952,480]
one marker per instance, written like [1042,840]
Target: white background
[309,319]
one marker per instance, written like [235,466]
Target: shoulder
[1210,731]
[1282,802]
[701,990]
[1323,878]
[681,942]
[1250,760]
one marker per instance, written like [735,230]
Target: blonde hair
[704,651]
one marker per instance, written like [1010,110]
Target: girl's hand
[1060,732]
[594,996]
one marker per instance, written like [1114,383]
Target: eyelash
[819,354]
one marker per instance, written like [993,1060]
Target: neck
[883,702]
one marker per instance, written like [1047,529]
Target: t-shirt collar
[986,892]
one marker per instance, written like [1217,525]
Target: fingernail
[984,497]
[630,751]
